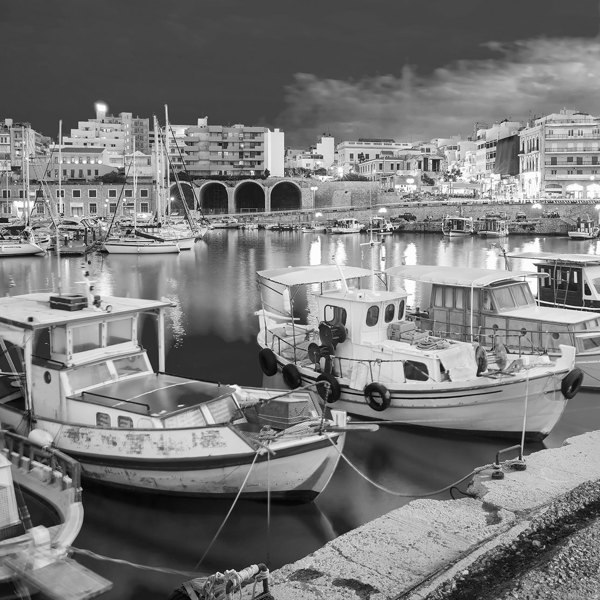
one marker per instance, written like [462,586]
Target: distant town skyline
[387,68]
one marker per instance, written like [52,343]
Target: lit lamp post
[313,191]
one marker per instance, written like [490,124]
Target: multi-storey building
[238,150]
[485,154]
[560,156]
[114,133]
[351,153]
[20,144]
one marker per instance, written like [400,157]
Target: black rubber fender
[332,392]
[481,359]
[378,396]
[267,361]
[571,384]
[291,376]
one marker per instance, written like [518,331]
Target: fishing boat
[344,226]
[369,360]
[566,280]
[314,228]
[76,376]
[378,224]
[493,226]
[35,558]
[226,223]
[457,226]
[586,229]
[496,306]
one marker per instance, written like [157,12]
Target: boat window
[335,315]
[459,298]
[41,343]
[372,316]
[130,365]
[389,313]
[187,418]
[85,337]
[438,299]
[223,410]
[449,297]
[125,422]
[503,299]
[417,371]
[401,310]
[596,284]
[84,377]
[119,331]
[102,420]
[590,343]
[486,303]
[520,295]
[59,340]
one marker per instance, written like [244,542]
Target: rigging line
[40,188]
[402,494]
[230,510]
[128,563]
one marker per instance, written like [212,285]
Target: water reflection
[211,335]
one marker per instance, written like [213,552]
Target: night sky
[406,69]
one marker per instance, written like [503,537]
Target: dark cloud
[526,78]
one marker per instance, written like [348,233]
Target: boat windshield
[596,284]
[514,296]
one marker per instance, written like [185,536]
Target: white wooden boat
[225,223]
[586,229]
[343,226]
[314,228]
[370,361]
[35,556]
[456,226]
[139,245]
[504,310]
[85,384]
[23,243]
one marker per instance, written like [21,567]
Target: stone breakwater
[464,548]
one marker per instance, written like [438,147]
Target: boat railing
[58,468]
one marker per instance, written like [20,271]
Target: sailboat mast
[58,271]
[158,161]
[167,169]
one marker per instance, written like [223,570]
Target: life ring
[378,396]
[330,393]
[571,384]
[267,361]
[481,359]
[291,376]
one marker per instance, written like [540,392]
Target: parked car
[404,217]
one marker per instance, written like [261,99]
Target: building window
[6,193]
[76,193]
[92,193]
[128,193]
[144,207]
[579,160]
[553,160]
[553,172]
[112,208]
[60,193]
[143,193]
[112,193]
[569,159]
[93,208]
[579,172]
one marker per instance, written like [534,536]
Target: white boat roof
[290,276]
[551,314]
[459,276]
[586,259]
[33,311]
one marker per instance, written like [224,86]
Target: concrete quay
[443,549]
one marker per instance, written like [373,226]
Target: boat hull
[203,462]
[487,406]
[141,248]
[16,248]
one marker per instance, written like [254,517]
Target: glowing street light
[382,210]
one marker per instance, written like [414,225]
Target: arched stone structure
[249,196]
[285,195]
[214,198]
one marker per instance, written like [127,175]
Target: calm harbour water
[212,335]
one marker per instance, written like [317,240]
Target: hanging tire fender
[291,376]
[378,396]
[267,361]
[481,359]
[330,393]
[571,384]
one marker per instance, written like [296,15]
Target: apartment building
[115,133]
[560,156]
[19,145]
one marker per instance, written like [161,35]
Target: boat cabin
[457,226]
[486,305]
[569,281]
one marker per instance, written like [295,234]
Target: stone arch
[286,195]
[249,196]
[213,198]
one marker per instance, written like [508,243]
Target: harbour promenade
[498,541]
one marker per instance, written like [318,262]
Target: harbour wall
[417,550]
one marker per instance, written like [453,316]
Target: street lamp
[382,210]
[313,190]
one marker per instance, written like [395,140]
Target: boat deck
[155,394]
